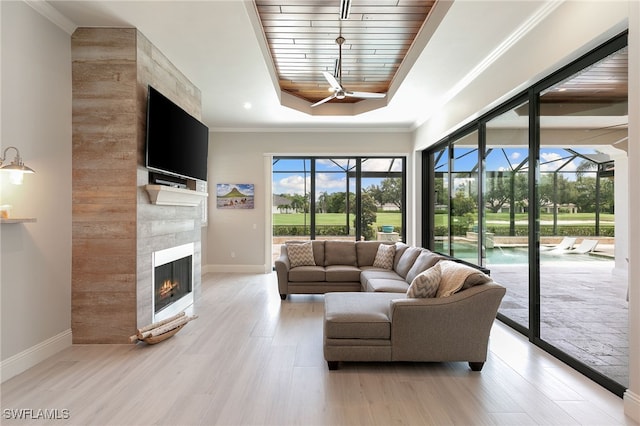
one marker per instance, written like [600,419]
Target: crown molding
[49,12]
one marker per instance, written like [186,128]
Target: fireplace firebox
[172,281]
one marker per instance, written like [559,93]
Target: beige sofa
[348,266]
[393,327]
[370,317]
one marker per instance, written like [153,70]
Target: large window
[329,198]
[528,191]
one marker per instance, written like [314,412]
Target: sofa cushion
[371,272]
[377,273]
[366,251]
[383,285]
[307,274]
[454,277]
[318,252]
[426,259]
[384,256]
[400,249]
[357,316]
[300,254]
[340,253]
[425,284]
[342,273]
[406,261]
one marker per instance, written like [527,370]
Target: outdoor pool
[515,255]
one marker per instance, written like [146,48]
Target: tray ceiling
[301,36]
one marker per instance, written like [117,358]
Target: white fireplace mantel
[170,196]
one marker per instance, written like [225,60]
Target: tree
[498,191]
[321,203]
[389,192]
[300,203]
[368,216]
[392,192]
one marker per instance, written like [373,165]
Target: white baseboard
[28,358]
[246,269]
[632,405]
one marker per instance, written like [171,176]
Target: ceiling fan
[336,86]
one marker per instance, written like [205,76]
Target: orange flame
[167,288]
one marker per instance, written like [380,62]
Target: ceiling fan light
[345,9]
[340,95]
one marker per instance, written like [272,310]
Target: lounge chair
[586,246]
[566,244]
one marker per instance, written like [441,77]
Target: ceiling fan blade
[365,95]
[332,81]
[327,99]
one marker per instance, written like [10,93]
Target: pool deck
[583,309]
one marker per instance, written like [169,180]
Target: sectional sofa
[393,302]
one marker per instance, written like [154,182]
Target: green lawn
[383,218]
[441,219]
[395,219]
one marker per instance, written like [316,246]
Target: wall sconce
[16,169]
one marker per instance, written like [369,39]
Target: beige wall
[36,257]
[237,240]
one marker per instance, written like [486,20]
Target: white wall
[36,257]
[573,29]
[237,239]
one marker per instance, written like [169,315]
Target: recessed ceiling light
[247,105]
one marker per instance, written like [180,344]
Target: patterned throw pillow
[300,254]
[384,256]
[425,284]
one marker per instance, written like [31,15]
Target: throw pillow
[426,259]
[384,256]
[300,254]
[426,283]
[455,276]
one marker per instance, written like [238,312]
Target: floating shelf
[170,196]
[18,220]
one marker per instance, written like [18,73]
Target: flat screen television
[177,143]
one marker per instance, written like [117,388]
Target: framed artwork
[234,195]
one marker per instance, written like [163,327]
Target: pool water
[515,255]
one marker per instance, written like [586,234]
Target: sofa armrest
[454,328]
[283,265]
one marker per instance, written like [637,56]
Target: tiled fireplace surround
[115,227]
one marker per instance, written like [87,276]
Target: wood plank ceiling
[301,35]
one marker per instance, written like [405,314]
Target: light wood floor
[251,359]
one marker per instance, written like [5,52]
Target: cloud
[294,184]
[515,155]
[330,181]
[551,161]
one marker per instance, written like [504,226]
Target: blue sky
[330,175]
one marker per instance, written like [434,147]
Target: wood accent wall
[115,227]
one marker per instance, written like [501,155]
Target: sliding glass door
[583,307]
[537,207]
[506,203]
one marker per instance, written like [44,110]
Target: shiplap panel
[115,227]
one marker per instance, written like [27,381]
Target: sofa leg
[283,296]
[476,366]
[333,365]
